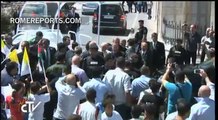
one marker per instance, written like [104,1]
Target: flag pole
[43,68]
[31,76]
[58,24]
[4,60]
[6,56]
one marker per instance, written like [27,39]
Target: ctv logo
[29,106]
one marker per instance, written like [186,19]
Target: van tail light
[122,18]
[95,16]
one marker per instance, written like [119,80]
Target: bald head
[204,91]
[70,79]
[76,60]
[193,28]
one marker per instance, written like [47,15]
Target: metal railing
[173,30]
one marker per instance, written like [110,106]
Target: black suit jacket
[158,60]
[146,57]
[33,59]
[52,57]
[73,26]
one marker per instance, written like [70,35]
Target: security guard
[178,52]
[94,61]
[141,35]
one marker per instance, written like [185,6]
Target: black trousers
[203,53]
[191,55]
[130,7]
[149,13]
[144,7]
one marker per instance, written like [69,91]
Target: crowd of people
[140,7]
[120,81]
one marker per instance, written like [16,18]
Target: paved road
[108,36]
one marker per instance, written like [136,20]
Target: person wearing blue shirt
[205,108]
[98,85]
[141,83]
[182,88]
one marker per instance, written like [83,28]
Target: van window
[33,10]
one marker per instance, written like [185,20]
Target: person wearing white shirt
[38,99]
[205,108]
[69,96]
[96,83]
[149,5]
[87,109]
[78,71]
[109,113]
[208,81]
[119,81]
[204,39]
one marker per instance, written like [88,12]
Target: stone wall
[201,13]
[212,16]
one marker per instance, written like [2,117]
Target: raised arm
[203,74]
[165,77]
[49,89]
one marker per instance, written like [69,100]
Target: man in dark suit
[145,54]
[34,43]
[48,53]
[158,50]
[73,26]
[32,57]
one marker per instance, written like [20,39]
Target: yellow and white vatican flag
[13,57]
[4,48]
[25,67]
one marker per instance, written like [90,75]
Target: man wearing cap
[73,26]
[141,35]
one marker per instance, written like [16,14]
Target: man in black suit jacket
[73,26]
[145,54]
[158,50]
[48,53]
[32,57]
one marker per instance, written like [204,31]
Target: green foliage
[6,26]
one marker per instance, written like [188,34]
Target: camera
[197,71]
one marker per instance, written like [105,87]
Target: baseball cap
[141,20]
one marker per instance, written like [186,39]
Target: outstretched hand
[202,73]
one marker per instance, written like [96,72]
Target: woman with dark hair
[9,73]
[16,100]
